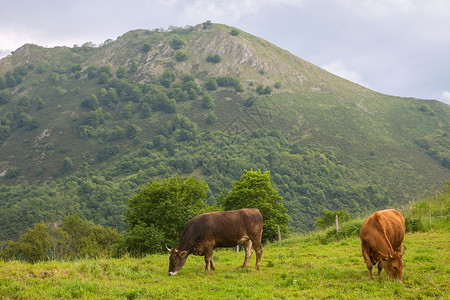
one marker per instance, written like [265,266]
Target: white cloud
[379,8]
[232,11]
[11,40]
[338,68]
[445,97]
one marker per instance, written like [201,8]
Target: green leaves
[255,190]
[162,209]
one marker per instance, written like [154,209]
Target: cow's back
[383,224]
[224,228]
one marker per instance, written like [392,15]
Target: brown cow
[382,241]
[205,232]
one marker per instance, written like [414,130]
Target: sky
[395,47]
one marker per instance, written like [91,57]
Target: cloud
[232,11]
[338,68]
[10,40]
[445,97]
[379,8]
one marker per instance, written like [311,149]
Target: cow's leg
[209,260]
[212,263]
[368,262]
[248,252]
[380,267]
[258,249]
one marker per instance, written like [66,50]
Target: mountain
[83,128]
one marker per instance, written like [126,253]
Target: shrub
[146,47]
[208,101]
[177,43]
[234,32]
[214,58]
[211,84]
[181,56]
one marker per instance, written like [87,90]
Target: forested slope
[83,128]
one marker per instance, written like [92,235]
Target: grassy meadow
[299,267]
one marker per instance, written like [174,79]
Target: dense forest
[83,129]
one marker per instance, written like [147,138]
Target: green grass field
[299,267]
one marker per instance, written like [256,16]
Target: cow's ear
[183,253]
[383,256]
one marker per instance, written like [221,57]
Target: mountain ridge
[130,111]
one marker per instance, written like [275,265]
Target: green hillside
[83,128]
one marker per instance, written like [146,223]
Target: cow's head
[393,263]
[176,260]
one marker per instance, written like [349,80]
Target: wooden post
[337,224]
[279,234]
[410,211]
[237,248]
[430,218]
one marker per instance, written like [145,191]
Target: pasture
[300,267]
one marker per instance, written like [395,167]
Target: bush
[208,101]
[181,56]
[351,228]
[214,58]
[414,225]
[177,43]
[234,32]
[146,47]
[211,84]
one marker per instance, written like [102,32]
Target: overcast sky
[396,47]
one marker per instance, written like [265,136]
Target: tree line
[155,217]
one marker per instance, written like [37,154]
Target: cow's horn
[404,249]
[170,250]
[389,253]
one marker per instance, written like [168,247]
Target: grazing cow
[382,241]
[207,231]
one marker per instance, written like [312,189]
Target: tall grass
[299,267]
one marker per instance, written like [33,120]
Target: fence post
[430,218]
[410,211]
[237,248]
[337,224]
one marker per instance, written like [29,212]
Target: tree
[92,71]
[234,32]
[208,101]
[122,72]
[133,131]
[4,97]
[211,119]
[5,131]
[32,246]
[181,55]
[161,210]
[167,77]
[329,218]
[214,58]
[40,104]
[146,47]
[177,43]
[90,102]
[133,67]
[67,165]
[211,84]
[255,190]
